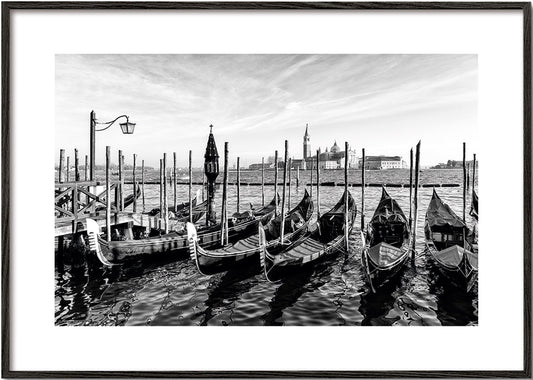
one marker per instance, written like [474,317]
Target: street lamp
[127,129]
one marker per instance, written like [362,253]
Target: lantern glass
[127,127]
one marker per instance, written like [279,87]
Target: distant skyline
[384,103]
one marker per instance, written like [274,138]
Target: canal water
[171,292]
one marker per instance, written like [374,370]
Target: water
[171,292]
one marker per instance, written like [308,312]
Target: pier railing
[76,201]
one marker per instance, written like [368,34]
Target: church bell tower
[307,144]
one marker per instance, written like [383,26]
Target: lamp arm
[110,123]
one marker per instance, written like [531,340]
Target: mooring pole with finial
[211,171]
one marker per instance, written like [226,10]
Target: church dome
[335,148]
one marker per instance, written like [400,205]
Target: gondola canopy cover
[440,214]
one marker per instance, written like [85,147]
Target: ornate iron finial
[211,128]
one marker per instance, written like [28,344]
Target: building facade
[383,162]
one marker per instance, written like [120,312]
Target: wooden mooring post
[190,186]
[415,206]
[175,183]
[464,182]
[411,189]
[121,180]
[142,183]
[276,183]
[224,216]
[474,174]
[346,203]
[67,172]
[363,192]
[108,192]
[61,165]
[312,170]
[165,198]
[289,192]
[317,186]
[238,184]
[134,183]
[262,181]
[160,192]
[285,163]
[76,166]
[298,177]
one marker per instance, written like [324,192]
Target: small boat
[181,209]
[474,206]
[117,251]
[447,242]
[386,242]
[325,237]
[242,251]
[127,201]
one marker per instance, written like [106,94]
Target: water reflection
[170,291]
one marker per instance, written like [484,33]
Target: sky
[383,103]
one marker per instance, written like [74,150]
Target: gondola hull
[460,275]
[378,274]
[386,243]
[244,253]
[115,252]
[325,238]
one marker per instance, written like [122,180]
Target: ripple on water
[170,291]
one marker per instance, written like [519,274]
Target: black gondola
[386,242]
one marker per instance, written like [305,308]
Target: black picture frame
[7,7]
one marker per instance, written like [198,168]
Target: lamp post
[127,129]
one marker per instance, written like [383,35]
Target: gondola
[474,206]
[447,243]
[386,242]
[181,209]
[117,251]
[244,251]
[325,237]
[127,201]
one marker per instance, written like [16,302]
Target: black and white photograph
[266,190]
